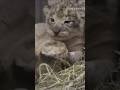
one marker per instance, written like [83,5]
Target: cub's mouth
[62,35]
[61,32]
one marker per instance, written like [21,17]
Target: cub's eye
[52,20]
[68,22]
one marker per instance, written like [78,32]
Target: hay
[72,78]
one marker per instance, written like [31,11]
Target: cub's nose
[56,32]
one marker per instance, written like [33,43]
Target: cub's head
[64,18]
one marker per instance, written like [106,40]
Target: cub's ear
[46,10]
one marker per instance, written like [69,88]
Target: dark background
[17,22]
[102,40]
